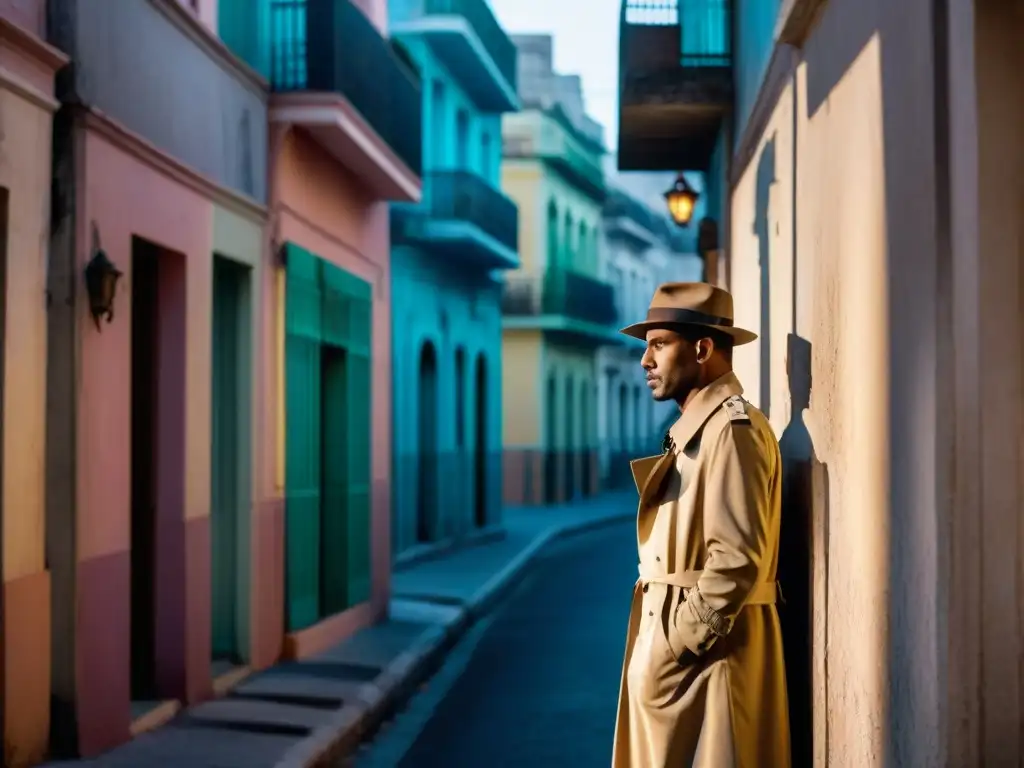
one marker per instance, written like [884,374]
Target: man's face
[671,365]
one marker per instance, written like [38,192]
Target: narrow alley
[536,682]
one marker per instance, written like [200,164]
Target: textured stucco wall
[833,233]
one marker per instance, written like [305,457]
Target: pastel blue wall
[453,307]
[455,135]
[755,37]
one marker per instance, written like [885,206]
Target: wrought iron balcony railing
[464,196]
[620,205]
[560,292]
[330,46]
[555,140]
[705,27]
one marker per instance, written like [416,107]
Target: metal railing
[556,141]
[705,27]
[464,196]
[329,45]
[498,45]
[619,204]
[560,292]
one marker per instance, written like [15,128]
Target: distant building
[448,256]
[557,310]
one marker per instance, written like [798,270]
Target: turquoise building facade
[448,256]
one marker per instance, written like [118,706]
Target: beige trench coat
[703,681]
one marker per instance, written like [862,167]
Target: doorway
[157,467]
[144,367]
[570,440]
[480,455]
[586,465]
[334,462]
[426,502]
[550,440]
[230,473]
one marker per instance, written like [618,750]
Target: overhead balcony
[626,217]
[566,305]
[550,136]
[335,76]
[464,218]
[467,39]
[676,82]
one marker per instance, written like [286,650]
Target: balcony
[463,217]
[340,80]
[628,218]
[467,39]
[567,305]
[676,82]
[550,136]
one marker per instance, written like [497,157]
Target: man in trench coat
[703,681]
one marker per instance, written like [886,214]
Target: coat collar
[702,406]
[650,471]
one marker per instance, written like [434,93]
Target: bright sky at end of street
[586,43]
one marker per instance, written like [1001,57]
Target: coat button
[658,559]
[650,613]
[645,587]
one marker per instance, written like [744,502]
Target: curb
[398,682]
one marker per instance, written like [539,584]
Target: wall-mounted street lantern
[101,278]
[681,199]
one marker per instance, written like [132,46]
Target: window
[460,397]
[485,155]
[553,254]
[462,139]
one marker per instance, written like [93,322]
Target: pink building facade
[152,429]
[335,162]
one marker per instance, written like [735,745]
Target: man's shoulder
[739,419]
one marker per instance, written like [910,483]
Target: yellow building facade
[556,311]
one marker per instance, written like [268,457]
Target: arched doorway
[426,486]
[480,456]
[550,441]
[570,440]
[585,446]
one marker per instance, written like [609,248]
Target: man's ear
[704,349]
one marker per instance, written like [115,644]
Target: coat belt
[763,593]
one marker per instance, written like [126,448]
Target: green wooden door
[303,431]
[225,450]
[328,323]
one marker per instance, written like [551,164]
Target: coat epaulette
[736,407]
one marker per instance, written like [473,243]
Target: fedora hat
[695,304]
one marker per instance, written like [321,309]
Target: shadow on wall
[804,497]
[765,179]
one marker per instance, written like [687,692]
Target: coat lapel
[699,410]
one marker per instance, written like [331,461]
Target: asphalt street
[535,683]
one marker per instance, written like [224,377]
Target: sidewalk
[313,712]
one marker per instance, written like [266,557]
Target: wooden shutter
[303,430]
